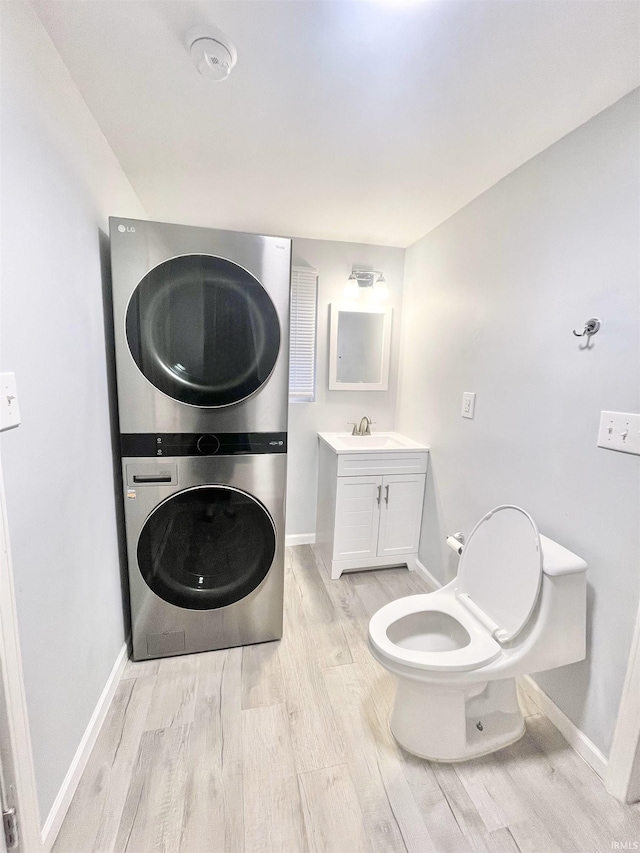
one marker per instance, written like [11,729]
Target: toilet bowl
[517,606]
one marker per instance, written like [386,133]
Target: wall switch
[9,409]
[468,404]
[619,431]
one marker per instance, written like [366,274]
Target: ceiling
[343,119]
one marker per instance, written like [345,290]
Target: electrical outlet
[9,409]
[619,431]
[468,404]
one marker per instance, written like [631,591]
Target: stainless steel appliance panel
[137,247]
[160,628]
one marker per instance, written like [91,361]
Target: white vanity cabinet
[370,498]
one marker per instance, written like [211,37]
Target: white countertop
[377,442]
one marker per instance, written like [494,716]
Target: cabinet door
[357,517]
[400,514]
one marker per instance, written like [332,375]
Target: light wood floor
[285,747]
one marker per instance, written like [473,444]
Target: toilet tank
[556,634]
[558,561]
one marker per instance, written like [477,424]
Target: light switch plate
[468,404]
[620,431]
[9,408]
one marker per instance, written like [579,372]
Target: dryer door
[203,330]
[206,547]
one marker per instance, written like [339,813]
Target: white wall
[60,180]
[332,409]
[491,297]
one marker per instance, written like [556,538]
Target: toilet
[517,606]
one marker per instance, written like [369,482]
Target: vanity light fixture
[352,289]
[362,280]
[380,289]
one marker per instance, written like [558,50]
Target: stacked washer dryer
[202,361]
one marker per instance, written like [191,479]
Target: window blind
[302,354]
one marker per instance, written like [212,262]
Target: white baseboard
[424,572]
[576,738]
[62,802]
[300,539]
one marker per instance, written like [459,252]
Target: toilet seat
[500,571]
[480,650]
[492,599]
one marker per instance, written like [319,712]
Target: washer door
[203,330]
[206,547]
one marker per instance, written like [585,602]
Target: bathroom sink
[345,442]
[370,442]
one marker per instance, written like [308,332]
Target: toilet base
[448,724]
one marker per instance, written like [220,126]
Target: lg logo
[123,228]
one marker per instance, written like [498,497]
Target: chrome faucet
[364,428]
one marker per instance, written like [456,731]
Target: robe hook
[591,327]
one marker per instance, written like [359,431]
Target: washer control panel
[201,444]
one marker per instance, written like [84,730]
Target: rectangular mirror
[359,347]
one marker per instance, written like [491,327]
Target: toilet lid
[501,569]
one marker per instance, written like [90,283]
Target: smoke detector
[213,53]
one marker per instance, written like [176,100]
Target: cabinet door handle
[386,494]
[379,494]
